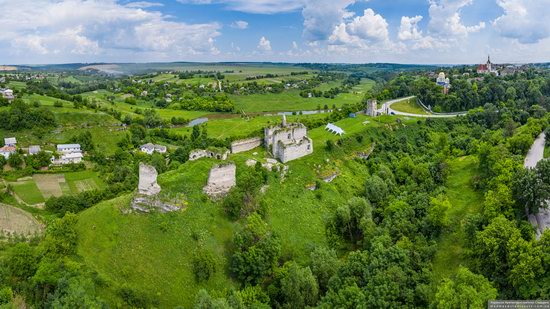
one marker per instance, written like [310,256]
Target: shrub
[204,265]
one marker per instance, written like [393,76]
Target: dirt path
[540,221]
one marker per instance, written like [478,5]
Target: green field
[464,200]
[409,106]
[40,187]
[292,101]
[28,192]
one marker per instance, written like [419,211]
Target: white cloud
[445,19]
[143,4]
[322,16]
[370,27]
[254,6]
[409,28]
[524,20]
[79,27]
[264,45]
[239,24]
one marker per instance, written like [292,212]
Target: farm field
[17,221]
[38,188]
[292,101]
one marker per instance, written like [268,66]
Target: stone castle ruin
[214,153]
[288,142]
[148,180]
[221,179]
[149,197]
[245,144]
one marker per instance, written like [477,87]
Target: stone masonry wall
[294,151]
[220,180]
[148,180]
[245,145]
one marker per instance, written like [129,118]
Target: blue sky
[358,31]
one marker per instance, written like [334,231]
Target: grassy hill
[155,251]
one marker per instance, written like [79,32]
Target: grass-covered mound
[153,254]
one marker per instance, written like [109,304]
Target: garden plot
[51,185]
[16,221]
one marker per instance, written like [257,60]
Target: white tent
[334,129]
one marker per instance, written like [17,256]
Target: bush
[204,265]
[58,104]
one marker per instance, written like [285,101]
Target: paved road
[386,109]
[540,221]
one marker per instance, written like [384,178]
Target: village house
[7,151]
[7,94]
[151,148]
[68,148]
[69,153]
[10,141]
[34,149]
[68,158]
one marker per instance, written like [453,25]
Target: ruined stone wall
[148,180]
[293,151]
[220,180]
[245,145]
[201,153]
[287,135]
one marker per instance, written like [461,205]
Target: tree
[351,220]
[257,251]
[324,265]
[204,265]
[21,261]
[465,290]
[376,189]
[15,160]
[437,212]
[299,287]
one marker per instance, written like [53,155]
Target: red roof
[482,67]
[8,149]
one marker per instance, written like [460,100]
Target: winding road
[540,221]
[386,109]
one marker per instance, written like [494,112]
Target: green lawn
[28,192]
[465,200]
[409,106]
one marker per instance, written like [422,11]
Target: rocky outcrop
[220,180]
[148,180]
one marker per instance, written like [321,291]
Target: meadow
[464,200]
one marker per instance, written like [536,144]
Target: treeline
[519,91]
[20,116]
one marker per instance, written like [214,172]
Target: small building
[334,129]
[68,148]
[10,141]
[7,151]
[34,149]
[68,158]
[7,94]
[150,148]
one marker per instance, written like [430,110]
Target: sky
[336,31]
